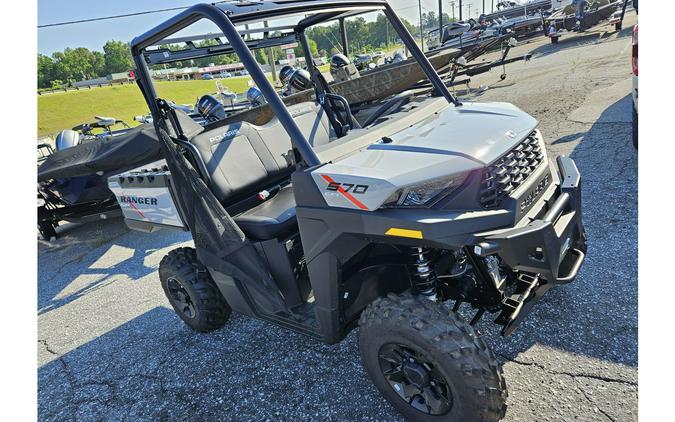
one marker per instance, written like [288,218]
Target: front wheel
[192,292]
[428,363]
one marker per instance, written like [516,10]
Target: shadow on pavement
[155,368]
[596,315]
[91,256]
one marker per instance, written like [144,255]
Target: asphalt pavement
[111,348]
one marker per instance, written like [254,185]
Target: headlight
[426,193]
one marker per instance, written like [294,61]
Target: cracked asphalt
[110,347]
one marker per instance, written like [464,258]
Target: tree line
[76,64]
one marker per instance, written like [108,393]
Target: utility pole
[452,4]
[270,58]
[440,19]
[421,33]
[469,12]
[493,7]
[460,10]
[483,6]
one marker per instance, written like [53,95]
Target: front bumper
[545,252]
[552,246]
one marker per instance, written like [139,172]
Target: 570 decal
[347,187]
[346,190]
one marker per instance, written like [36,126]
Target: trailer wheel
[47,230]
[428,363]
[192,292]
[617,26]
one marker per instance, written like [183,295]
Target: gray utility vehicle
[306,217]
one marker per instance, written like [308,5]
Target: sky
[94,34]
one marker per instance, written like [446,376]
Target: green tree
[97,60]
[45,71]
[117,56]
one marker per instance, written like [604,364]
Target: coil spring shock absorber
[424,277]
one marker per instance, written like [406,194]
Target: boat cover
[132,149]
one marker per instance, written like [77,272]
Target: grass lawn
[64,110]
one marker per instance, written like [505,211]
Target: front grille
[510,171]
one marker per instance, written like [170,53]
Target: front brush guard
[554,247]
[546,252]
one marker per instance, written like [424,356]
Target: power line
[147,12]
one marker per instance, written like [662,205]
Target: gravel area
[111,348]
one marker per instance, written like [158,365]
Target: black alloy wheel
[181,298]
[415,379]
[192,292]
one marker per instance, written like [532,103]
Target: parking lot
[111,348]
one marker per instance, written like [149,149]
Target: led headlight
[426,193]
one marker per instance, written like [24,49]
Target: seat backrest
[312,120]
[243,158]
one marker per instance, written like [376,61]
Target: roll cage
[147,48]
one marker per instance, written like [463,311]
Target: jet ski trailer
[73,182]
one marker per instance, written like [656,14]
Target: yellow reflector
[415,234]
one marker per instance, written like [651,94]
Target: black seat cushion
[271,219]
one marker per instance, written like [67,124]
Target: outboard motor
[66,139]
[255,96]
[342,69]
[300,80]
[482,21]
[453,30]
[211,108]
[285,73]
[398,57]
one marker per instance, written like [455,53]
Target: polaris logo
[534,193]
[138,200]
[225,136]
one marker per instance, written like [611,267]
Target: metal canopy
[225,16]
[249,12]
[165,55]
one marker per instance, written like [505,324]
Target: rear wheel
[192,292]
[428,363]
[554,40]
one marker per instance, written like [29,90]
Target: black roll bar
[221,18]
[218,17]
[408,40]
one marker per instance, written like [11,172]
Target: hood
[480,131]
[450,141]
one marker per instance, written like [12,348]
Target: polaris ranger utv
[321,218]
